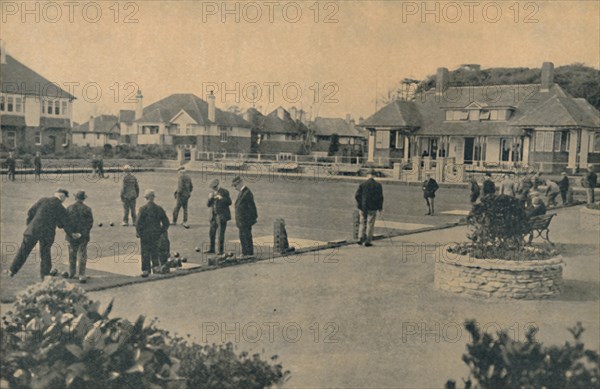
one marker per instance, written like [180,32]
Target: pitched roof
[398,113]
[563,112]
[329,126]
[272,124]
[164,110]
[126,116]
[529,105]
[103,124]
[19,79]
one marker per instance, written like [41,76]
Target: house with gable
[502,126]
[193,125]
[97,132]
[278,132]
[34,112]
[351,137]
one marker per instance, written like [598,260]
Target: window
[177,129]
[473,115]
[596,148]
[18,104]
[38,138]
[457,115]
[84,134]
[11,139]
[494,114]
[190,129]
[97,136]
[484,115]
[65,106]
[56,107]
[382,139]
[544,141]
[505,146]
[561,141]
[9,106]
[1,103]
[223,134]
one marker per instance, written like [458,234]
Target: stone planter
[499,278]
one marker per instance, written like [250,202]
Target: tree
[576,79]
[334,145]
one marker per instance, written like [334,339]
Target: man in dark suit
[11,166]
[430,186]
[182,195]
[369,200]
[589,183]
[81,220]
[563,185]
[245,216]
[489,187]
[42,219]
[37,166]
[219,202]
[152,223]
[130,191]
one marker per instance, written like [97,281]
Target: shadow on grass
[570,250]
[576,290]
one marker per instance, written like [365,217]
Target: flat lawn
[314,211]
[367,317]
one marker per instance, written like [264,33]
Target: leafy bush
[497,227]
[55,337]
[500,362]
[210,366]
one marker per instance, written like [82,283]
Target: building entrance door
[468,155]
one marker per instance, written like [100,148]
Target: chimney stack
[547,75]
[211,107]
[139,105]
[91,123]
[294,113]
[441,81]
[280,113]
[2,52]
[348,118]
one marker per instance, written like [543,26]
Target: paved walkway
[367,317]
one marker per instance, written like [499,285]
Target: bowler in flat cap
[80,195]
[149,193]
[236,181]
[214,184]
[63,191]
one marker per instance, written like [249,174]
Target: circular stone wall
[499,278]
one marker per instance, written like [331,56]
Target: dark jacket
[220,207]
[245,209]
[488,187]
[369,196]
[152,221]
[184,186]
[538,210]
[475,190]
[430,186]
[81,220]
[43,218]
[37,163]
[563,184]
[130,189]
[590,180]
[10,164]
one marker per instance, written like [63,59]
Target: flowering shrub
[500,362]
[55,337]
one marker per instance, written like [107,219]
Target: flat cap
[63,191]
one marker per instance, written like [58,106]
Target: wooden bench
[539,226]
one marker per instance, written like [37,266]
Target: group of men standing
[151,223]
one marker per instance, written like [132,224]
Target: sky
[328,58]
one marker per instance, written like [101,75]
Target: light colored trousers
[367,224]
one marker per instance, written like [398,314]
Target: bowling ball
[184,259]
[99,224]
[176,254]
[197,249]
[112,224]
[65,274]
[53,272]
